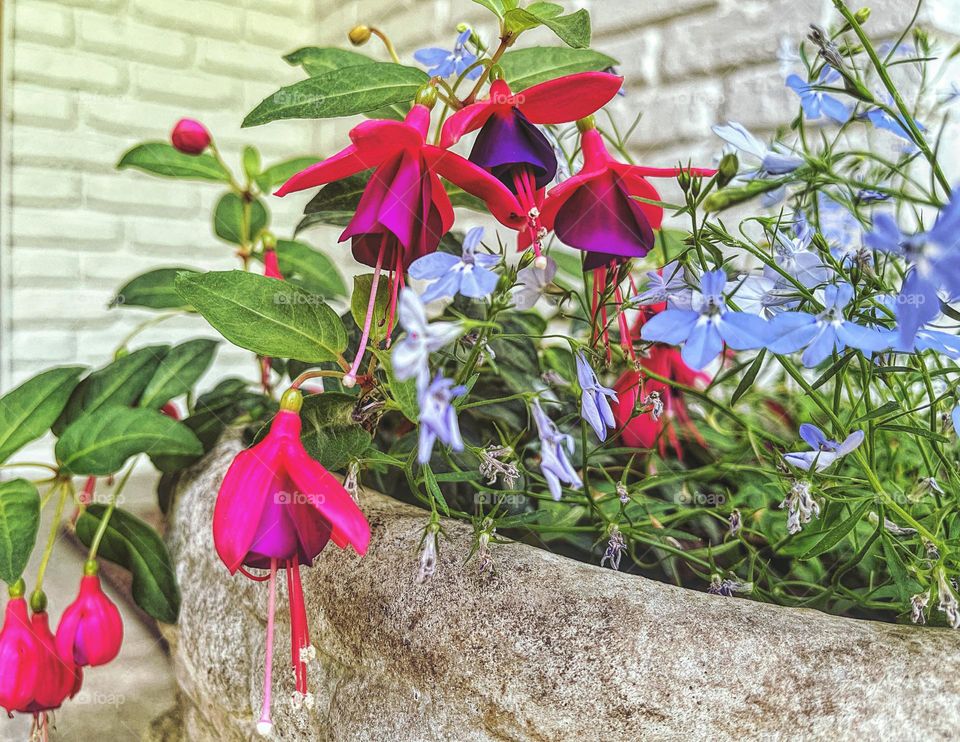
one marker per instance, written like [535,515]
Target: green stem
[105,520]
[65,489]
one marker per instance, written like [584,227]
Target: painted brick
[37,187]
[72,150]
[184,88]
[70,70]
[36,106]
[44,23]
[116,194]
[83,230]
[197,17]
[125,38]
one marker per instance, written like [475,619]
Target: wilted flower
[800,505]
[728,587]
[623,493]
[825,451]
[554,447]
[947,601]
[428,554]
[615,548]
[492,465]
[734,523]
[918,604]
[890,526]
[351,482]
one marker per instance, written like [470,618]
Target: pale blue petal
[434,265]
[703,345]
[742,331]
[812,435]
[672,326]
[478,283]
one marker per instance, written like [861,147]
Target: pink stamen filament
[351,376]
[395,280]
[625,340]
[266,724]
[299,631]
[525,185]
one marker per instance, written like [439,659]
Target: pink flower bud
[91,630]
[19,649]
[190,137]
[271,266]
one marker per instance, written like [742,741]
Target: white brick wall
[85,79]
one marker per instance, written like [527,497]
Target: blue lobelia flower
[944,343]
[665,285]
[531,282]
[934,260]
[708,325]
[438,418]
[794,256]
[840,228]
[820,335]
[956,419]
[765,295]
[895,125]
[554,447]
[594,405]
[469,274]
[444,63]
[411,354]
[817,103]
[825,452]
[771,162]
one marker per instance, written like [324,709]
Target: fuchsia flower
[404,210]
[271,265]
[190,137]
[279,507]
[19,649]
[58,678]
[516,151]
[90,630]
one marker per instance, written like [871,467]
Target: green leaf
[320,60]
[748,378]
[572,29]
[134,545]
[343,92]
[161,158]
[310,268]
[335,203]
[836,534]
[251,162]
[498,7]
[359,300]
[99,444]
[153,289]
[179,370]
[229,219]
[281,172]
[330,434]
[523,68]
[19,522]
[433,487]
[459,197]
[404,393]
[269,317]
[28,411]
[118,384]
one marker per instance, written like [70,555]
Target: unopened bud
[190,137]
[683,178]
[729,167]
[359,35]
[427,96]
[292,400]
[862,15]
[38,601]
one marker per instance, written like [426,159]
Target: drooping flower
[190,137]
[728,587]
[469,275]
[947,600]
[90,630]
[438,418]
[278,508]
[918,606]
[444,63]
[881,119]
[19,649]
[794,256]
[428,554]
[594,399]
[271,265]
[826,332]
[771,162]
[615,548]
[411,354]
[493,465]
[554,447]
[800,505]
[704,329]
[825,451]
[59,678]
[816,103]
[531,282]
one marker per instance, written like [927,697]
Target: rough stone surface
[545,649]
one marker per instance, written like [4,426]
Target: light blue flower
[895,125]
[820,335]
[794,256]
[707,326]
[956,419]
[764,295]
[825,452]
[438,417]
[531,282]
[444,63]
[594,402]
[771,162]
[817,103]
[469,274]
[665,285]
[554,447]
[412,353]
[840,228]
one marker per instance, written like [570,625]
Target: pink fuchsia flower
[59,678]
[90,630]
[190,137]
[278,507]
[19,649]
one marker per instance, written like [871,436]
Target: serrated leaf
[330,434]
[161,158]
[310,268]
[154,290]
[319,60]
[281,172]
[180,369]
[19,523]
[28,411]
[232,225]
[359,302]
[523,68]
[100,444]
[270,317]
[839,532]
[134,545]
[343,92]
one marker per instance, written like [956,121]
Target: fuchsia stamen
[299,630]
[351,376]
[524,181]
[265,725]
[395,280]
[625,340]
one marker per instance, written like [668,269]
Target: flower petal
[568,98]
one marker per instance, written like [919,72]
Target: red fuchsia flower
[597,211]
[19,649]
[662,407]
[404,210]
[58,679]
[190,137]
[90,631]
[511,147]
[278,507]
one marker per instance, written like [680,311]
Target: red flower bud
[190,137]
[91,630]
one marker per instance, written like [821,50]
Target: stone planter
[544,649]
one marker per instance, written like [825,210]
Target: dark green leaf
[887,408]
[19,522]
[134,545]
[28,411]
[343,92]
[915,430]
[335,203]
[523,68]
[360,299]
[310,268]
[433,487]
[153,289]
[179,370]
[320,60]
[330,433]
[459,197]
[267,316]
[231,223]
[283,171]
[748,378]
[836,534]
[572,29]
[99,444]
[161,158]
